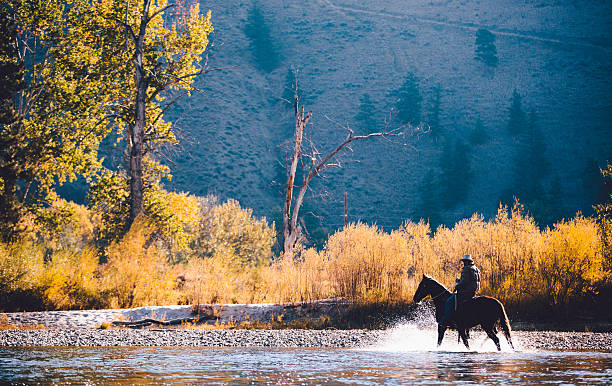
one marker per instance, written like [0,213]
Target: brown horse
[482,310]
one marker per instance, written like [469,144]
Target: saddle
[460,303]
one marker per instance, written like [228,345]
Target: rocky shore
[416,332]
[283,338]
[202,338]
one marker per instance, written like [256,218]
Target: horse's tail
[505,325]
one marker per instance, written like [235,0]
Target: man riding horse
[485,311]
[465,289]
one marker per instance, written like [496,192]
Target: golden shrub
[231,228]
[69,280]
[571,263]
[136,276]
[21,267]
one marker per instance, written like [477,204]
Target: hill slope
[556,55]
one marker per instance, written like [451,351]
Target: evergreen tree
[486,51]
[409,101]
[531,163]
[457,173]
[435,127]
[262,44]
[593,183]
[479,135]
[517,121]
[429,196]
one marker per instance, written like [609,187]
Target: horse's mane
[435,283]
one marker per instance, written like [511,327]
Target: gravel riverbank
[282,338]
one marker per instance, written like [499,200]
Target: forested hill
[526,112]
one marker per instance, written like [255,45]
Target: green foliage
[170,216]
[486,51]
[408,102]
[62,100]
[517,120]
[262,44]
[479,134]
[12,70]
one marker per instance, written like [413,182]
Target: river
[406,355]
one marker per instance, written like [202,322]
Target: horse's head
[423,289]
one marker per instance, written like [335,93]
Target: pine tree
[517,121]
[262,44]
[435,127]
[429,195]
[457,173]
[486,51]
[531,163]
[409,101]
[479,134]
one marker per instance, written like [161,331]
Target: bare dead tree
[313,164]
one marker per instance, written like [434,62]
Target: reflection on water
[128,365]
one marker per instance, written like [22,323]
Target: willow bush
[226,258]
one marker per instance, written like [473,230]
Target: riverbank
[401,338]
[323,314]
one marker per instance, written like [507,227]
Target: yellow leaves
[135,275]
[230,227]
[571,262]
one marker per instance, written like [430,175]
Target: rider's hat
[467,258]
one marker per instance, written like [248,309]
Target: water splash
[420,333]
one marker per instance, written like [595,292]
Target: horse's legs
[464,337]
[441,330]
[491,334]
[467,335]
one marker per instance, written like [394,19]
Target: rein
[438,295]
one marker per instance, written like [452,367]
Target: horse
[481,310]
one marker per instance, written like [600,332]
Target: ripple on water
[388,362]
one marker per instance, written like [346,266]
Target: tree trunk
[136,134]
[290,227]
[9,207]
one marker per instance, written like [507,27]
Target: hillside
[556,55]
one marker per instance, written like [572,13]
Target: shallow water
[406,355]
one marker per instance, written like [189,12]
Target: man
[465,289]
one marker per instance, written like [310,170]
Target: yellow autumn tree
[571,263]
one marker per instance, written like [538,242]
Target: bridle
[438,295]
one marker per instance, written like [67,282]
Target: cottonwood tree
[162,55]
[313,164]
[55,93]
